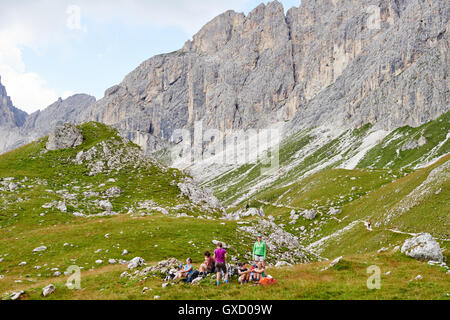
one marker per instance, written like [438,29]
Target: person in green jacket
[259,251]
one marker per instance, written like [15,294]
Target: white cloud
[36,23]
[28,90]
[73,17]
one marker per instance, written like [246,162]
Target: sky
[56,48]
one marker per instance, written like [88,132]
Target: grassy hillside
[411,147]
[55,202]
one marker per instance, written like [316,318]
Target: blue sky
[53,48]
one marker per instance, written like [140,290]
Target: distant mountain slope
[17,128]
[310,151]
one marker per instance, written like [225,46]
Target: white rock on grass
[334,211]
[99,261]
[61,206]
[16,295]
[335,261]
[40,249]
[124,252]
[197,280]
[136,263]
[423,247]
[106,205]
[280,264]
[48,290]
[309,214]
[112,261]
[22,264]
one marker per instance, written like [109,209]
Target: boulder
[113,192]
[106,205]
[48,290]
[280,264]
[66,136]
[136,263]
[334,211]
[61,206]
[423,247]
[16,295]
[309,214]
[40,249]
[12,186]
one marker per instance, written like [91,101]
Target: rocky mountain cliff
[348,62]
[320,62]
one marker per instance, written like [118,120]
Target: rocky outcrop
[136,263]
[66,136]
[17,128]
[423,247]
[199,195]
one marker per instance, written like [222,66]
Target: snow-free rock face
[423,247]
[66,136]
[199,195]
[242,72]
[346,62]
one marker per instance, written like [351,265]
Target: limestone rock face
[323,61]
[347,62]
[10,117]
[136,263]
[423,247]
[66,136]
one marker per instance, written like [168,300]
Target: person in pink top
[220,254]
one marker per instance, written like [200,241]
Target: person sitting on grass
[258,271]
[209,266]
[220,254]
[186,271]
[244,273]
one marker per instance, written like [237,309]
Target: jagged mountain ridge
[10,116]
[18,128]
[319,63]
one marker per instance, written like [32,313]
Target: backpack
[267,281]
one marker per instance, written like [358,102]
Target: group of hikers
[217,263]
